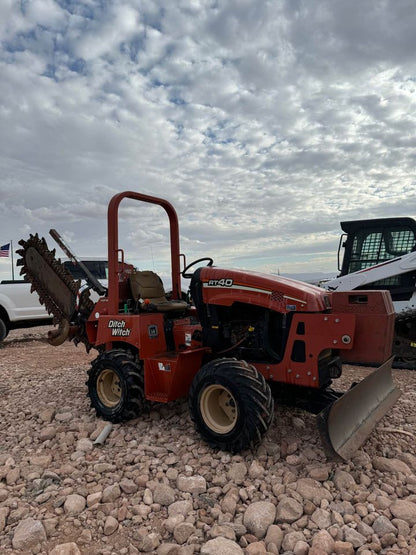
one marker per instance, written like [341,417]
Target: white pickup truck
[19,308]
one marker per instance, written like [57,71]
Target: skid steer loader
[380,254]
[236,334]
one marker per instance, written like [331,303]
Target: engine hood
[224,286]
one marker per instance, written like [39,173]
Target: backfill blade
[345,424]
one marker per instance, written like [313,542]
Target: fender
[19,303]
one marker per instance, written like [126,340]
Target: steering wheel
[205,258]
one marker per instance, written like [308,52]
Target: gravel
[156,487]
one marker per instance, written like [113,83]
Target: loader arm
[367,276]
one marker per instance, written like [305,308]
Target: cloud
[107,31]
[264,124]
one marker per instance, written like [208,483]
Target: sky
[264,123]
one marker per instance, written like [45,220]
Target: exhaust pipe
[345,424]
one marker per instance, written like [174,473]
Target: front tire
[231,404]
[116,386]
[4,330]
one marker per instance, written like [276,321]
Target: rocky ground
[156,487]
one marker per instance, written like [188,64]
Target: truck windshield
[98,268]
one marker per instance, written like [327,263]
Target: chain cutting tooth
[59,293]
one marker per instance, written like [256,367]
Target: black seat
[147,288]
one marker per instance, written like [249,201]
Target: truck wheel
[116,386]
[4,330]
[231,404]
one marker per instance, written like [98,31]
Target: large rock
[221,546]
[312,490]
[111,493]
[409,459]
[274,535]
[391,465]
[94,498]
[110,525]
[183,531]
[222,531]
[168,549]
[302,548]
[180,508]
[258,517]
[149,543]
[28,534]
[12,476]
[343,548]
[255,548]
[41,460]
[192,484]
[171,522]
[74,504]
[323,542]
[344,481]
[288,510]
[291,539]
[128,486]
[84,444]
[237,472]
[48,432]
[321,518]
[405,510]
[4,512]
[382,525]
[342,507]
[164,495]
[255,470]
[70,548]
[47,415]
[353,537]
[229,503]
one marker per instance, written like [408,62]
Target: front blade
[346,424]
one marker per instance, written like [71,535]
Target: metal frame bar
[113,249]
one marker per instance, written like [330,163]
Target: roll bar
[113,250]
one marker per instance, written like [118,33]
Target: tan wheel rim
[108,388]
[218,409]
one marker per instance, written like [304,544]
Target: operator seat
[147,288]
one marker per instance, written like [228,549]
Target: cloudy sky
[264,122]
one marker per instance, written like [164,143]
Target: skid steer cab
[234,335]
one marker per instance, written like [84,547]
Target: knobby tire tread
[132,403]
[253,397]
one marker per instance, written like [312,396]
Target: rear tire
[116,386]
[4,330]
[231,404]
